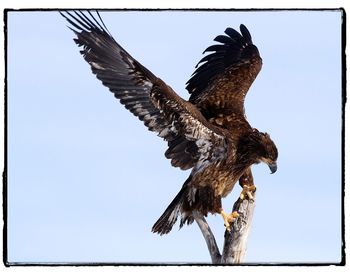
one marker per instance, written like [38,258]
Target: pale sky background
[86,180]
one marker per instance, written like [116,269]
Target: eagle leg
[228,218]
[248,191]
[247,183]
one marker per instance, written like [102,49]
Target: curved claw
[248,191]
[229,218]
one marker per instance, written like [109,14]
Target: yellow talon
[229,218]
[247,191]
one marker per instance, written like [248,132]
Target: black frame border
[97,264]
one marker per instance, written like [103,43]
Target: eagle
[208,133]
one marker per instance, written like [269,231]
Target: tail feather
[167,220]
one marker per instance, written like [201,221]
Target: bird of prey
[208,133]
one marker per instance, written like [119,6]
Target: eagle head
[258,147]
[268,151]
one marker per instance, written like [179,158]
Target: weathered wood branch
[209,238]
[235,243]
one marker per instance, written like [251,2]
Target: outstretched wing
[126,78]
[143,94]
[220,83]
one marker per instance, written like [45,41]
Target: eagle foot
[247,191]
[229,218]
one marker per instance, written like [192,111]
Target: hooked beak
[273,167]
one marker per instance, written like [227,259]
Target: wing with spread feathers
[145,95]
[222,78]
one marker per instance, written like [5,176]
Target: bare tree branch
[209,238]
[235,243]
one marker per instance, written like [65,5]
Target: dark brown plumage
[208,133]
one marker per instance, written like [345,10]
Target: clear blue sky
[87,180]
